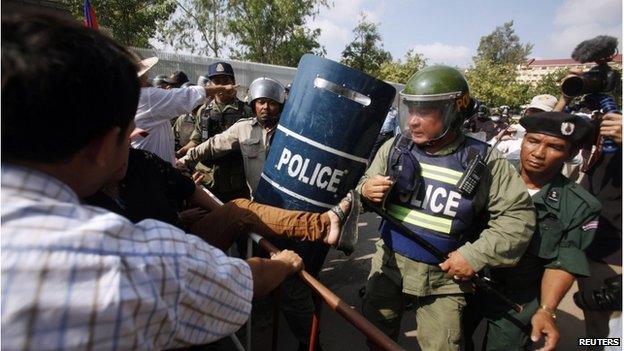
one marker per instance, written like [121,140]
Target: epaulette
[245,119]
[585,195]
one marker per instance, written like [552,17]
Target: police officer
[175,80]
[567,217]
[224,177]
[252,136]
[419,169]
[159,81]
[184,125]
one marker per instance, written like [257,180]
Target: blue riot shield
[324,137]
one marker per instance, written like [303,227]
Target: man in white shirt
[158,106]
[79,277]
[511,139]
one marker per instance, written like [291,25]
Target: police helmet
[203,80]
[159,81]
[265,87]
[441,87]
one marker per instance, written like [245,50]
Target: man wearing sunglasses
[418,177]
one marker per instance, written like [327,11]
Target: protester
[151,188]
[567,218]
[418,170]
[80,277]
[508,141]
[224,176]
[158,106]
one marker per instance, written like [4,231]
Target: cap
[178,77]
[159,80]
[146,64]
[573,128]
[220,69]
[544,102]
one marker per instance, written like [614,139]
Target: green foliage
[503,46]
[496,85]
[131,22]
[400,72]
[550,83]
[273,31]
[198,26]
[365,52]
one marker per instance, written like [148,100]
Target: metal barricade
[334,302]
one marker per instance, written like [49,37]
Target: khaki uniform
[567,218]
[246,136]
[225,176]
[509,223]
[183,129]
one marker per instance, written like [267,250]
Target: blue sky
[448,31]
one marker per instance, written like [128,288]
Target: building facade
[535,69]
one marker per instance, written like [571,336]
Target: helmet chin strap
[269,121]
[438,138]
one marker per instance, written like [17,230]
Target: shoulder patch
[591,225]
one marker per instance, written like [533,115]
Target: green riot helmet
[437,87]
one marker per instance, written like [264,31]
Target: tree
[365,52]
[550,83]
[399,72]
[199,26]
[273,31]
[503,46]
[131,22]
[496,85]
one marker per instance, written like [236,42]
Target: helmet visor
[419,106]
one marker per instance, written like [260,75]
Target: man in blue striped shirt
[79,277]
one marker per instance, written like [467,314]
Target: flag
[89,15]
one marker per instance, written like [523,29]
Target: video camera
[596,83]
[605,298]
[600,78]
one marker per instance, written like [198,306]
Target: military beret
[575,129]
[220,69]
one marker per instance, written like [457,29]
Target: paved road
[345,276]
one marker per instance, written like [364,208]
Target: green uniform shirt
[567,218]
[510,224]
[224,176]
[196,137]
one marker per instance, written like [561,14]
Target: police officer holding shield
[249,136]
[451,190]
[567,218]
[225,177]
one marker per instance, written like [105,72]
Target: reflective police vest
[435,211]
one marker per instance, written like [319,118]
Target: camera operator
[602,167]
[603,179]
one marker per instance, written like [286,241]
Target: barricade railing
[335,303]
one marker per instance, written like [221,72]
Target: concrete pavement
[345,276]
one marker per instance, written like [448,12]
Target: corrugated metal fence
[245,72]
